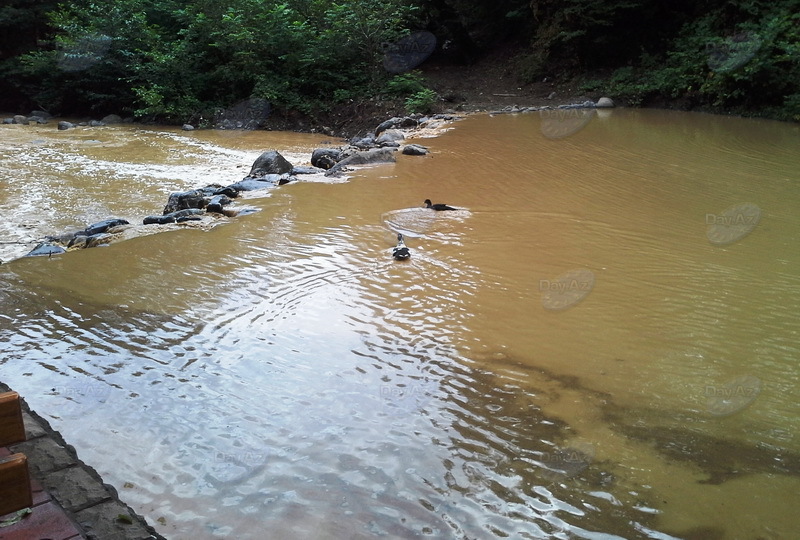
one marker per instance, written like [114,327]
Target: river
[601,342]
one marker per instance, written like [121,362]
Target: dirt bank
[491,83]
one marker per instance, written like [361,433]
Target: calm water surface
[602,343]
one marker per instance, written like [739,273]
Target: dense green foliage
[176,60]
[742,58]
[183,59]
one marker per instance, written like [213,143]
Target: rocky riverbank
[209,205]
[213,204]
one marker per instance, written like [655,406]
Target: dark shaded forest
[180,61]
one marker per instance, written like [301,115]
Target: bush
[405,84]
[421,102]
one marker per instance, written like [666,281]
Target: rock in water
[396,122]
[325,158]
[45,249]
[415,150]
[390,136]
[103,226]
[172,217]
[366,157]
[604,103]
[186,199]
[270,162]
[217,202]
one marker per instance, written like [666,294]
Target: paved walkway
[70,500]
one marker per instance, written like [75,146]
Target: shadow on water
[720,459]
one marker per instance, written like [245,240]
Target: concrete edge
[93,506]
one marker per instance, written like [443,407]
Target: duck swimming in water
[401,252]
[437,206]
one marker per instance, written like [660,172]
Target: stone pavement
[70,500]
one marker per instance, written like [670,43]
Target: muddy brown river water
[602,342]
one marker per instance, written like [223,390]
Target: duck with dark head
[438,206]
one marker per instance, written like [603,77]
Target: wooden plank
[15,484]
[12,429]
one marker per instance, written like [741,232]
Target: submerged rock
[172,217]
[264,182]
[301,169]
[415,150]
[45,249]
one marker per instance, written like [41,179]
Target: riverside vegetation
[185,61]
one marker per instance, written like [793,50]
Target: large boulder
[390,137]
[363,142]
[366,157]
[415,150]
[112,119]
[270,162]
[196,198]
[396,122]
[325,158]
[604,103]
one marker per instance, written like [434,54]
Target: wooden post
[15,484]
[12,429]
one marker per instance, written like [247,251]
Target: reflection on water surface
[281,376]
